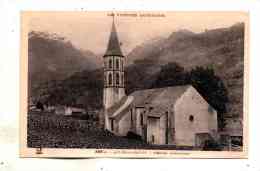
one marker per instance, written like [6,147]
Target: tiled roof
[158,96]
[160,99]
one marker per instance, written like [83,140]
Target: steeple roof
[113,48]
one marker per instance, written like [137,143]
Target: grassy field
[57,131]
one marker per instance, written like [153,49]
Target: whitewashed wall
[191,103]
[124,124]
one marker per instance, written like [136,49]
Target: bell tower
[114,87]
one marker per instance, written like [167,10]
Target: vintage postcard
[134,84]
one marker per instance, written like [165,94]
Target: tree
[212,88]
[171,74]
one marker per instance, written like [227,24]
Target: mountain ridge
[221,49]
[52,57]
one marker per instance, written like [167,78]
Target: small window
[117,63]
[117,78]
[191,118]
[110,63]
[112,124]
[141,119]
[110,79]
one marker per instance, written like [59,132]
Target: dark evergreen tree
[212,88]
[171,74]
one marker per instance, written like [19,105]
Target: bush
[40,106]
[131,135]
[211,145]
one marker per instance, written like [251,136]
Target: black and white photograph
[134,84]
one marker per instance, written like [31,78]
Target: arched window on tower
[117,78]
[117,63]
[110,63]
[110,79]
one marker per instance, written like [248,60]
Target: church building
[176,115]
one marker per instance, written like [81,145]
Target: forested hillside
[52,57]
[217,54]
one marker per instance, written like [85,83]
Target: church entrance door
[153,130]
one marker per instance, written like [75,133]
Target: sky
[90,30]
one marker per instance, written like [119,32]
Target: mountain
[146,50]
[212,47]
[52,57]
[221,49]
[154,48]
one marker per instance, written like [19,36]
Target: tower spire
[113,47]
[113,18]
[114,86]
